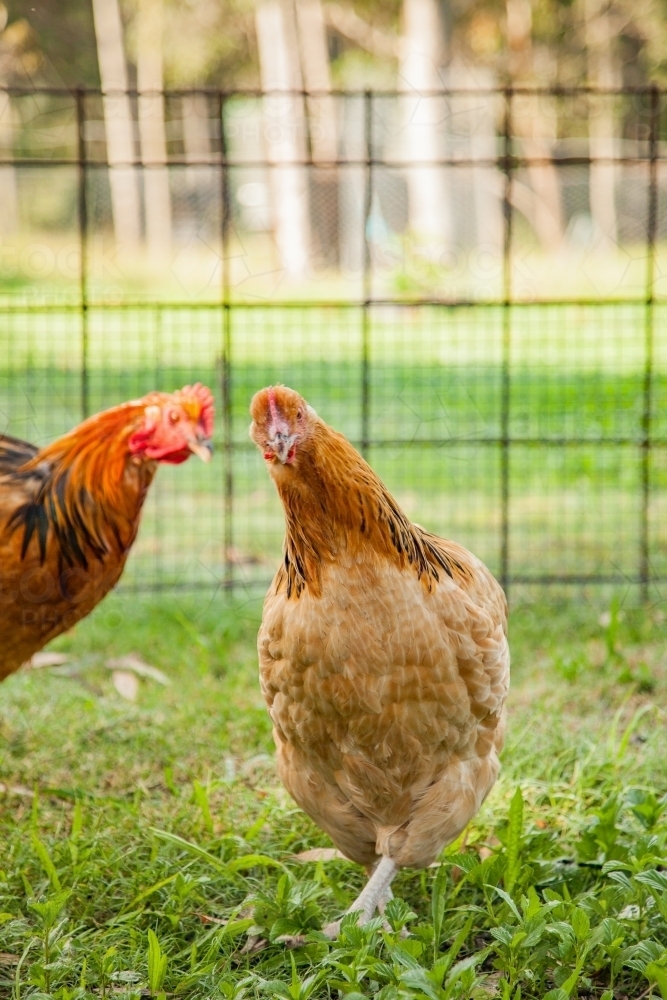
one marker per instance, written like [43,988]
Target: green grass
[131,833]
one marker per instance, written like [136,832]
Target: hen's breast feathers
[392,696]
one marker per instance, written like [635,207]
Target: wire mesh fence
[470,284]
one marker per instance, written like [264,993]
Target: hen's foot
[376,892]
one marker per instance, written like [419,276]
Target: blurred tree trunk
[534,121]
[125,204]
[157,200]
[284,131]
[9,202]
[322,129]
[422,138]
[317,80]
[473,133]
[536,126]
[196,135]
[602,143]
[201,184]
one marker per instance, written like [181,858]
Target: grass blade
[186,845]
[45,861]
[514,832]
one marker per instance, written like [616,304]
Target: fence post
[645,452]
[367,279]
[226,374]
[506,161]
[83,246]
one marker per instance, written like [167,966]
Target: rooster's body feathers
[55,563]
[69,512]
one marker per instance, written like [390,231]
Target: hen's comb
[271,392]
[197,401]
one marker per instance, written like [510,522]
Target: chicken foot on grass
[376,893]
[366,903]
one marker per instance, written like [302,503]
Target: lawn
[147,847]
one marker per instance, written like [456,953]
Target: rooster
[69,512]
[383,657]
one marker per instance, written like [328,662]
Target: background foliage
[213,41]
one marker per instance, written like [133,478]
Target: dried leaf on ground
[46,659]
[253,945]
[16,790]
[136,665]
[320,854]
[126,684]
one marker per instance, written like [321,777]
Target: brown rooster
[69,512]
[383,657]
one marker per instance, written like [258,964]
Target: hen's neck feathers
[335,503]
[86,489]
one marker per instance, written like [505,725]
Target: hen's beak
[201,448]
[281,445]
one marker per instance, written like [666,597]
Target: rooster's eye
[174,416]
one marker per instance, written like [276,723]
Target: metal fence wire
[470,284]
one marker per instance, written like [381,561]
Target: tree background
[213,42]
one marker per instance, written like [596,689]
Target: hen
[383,657]
[69,512]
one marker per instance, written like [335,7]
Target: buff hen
[383,657]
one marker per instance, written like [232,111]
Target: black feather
[43,533]
[45,508]
[30,519]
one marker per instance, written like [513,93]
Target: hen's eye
[174,416]
[299,414]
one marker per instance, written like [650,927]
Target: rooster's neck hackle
[95,454]
[89,491]
[334,503]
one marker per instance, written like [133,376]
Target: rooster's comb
[197,401]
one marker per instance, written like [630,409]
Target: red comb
[271,392]
[202,396]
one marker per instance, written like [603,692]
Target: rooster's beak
[201,448]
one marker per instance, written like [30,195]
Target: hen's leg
[373,893]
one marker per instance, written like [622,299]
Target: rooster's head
[282,421]
[174,425]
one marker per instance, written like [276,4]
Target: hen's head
[282,422]
[174,425]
